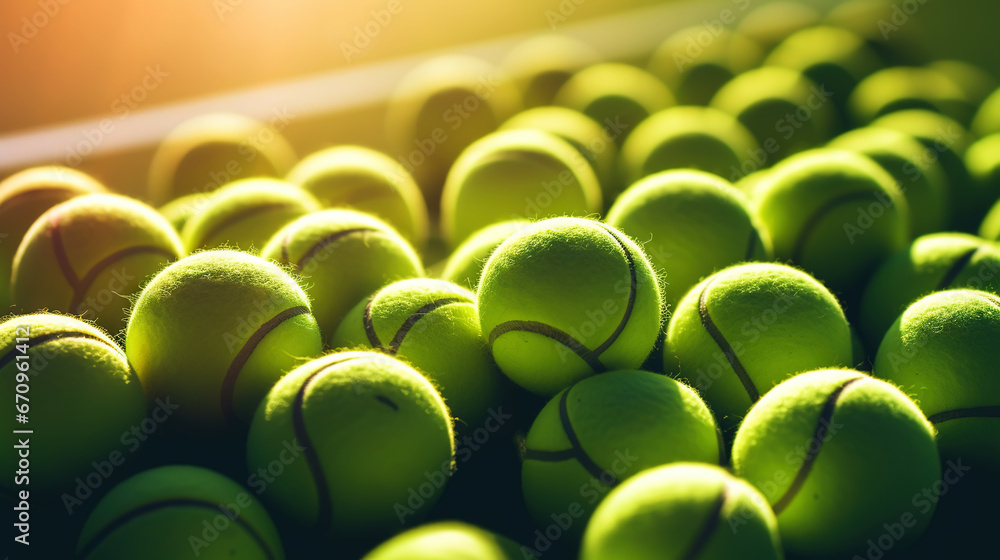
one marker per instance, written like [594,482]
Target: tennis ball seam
[812,451]
[817,215]
[714,517]
[236,366]
[956,268]
[160,504]
[972,412]
[37,341]
[404,329]
[723,344]
[575,451]
[318,245]
[221,225]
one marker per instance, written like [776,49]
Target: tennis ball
[548,329]
[376,441]
[175,511]
[217,370]
[945,141]
[683,511]
[693,223]
[87,256]
[584,442]
[440,108]
[465,265]
[771,23]
[746,328]
[516,174]
[687,137]
[368,181]
[342,257]
[583,133]
[541,65]
[433,326]
[931,263]
[26,195]
[987,119]
[840,456]
[75,387]
[983,162]
[616,95]
[245,214]
[785,111]
[976,83]
[906,87]
[835,213]
[179,210]
[208,151]
[942,352]
[922,182]
[446,540]
[698,60]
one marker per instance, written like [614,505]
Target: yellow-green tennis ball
[618,96]
[600,432]
[683,511]
[246,213]
[375,441]
[206,152]
[178,511]
[841,457]
[89,255]
[987,119]
[922,181]
[688,138]
[983,162]
[433,326]
[566,298]
[26,195]
[942,351]
[746,328]
[904,87]
[77,392]
[770,23]
[692,223]
[698,60]
[367,181]
[342,257]
[976,82]
[440,108]
[541,65]
[785,111]
[218,370]
[447,540]
[835,213]
[465,265]
[584,133]
[516,174]
[934,262]
[179,210]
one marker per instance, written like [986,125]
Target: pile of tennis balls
[736,300]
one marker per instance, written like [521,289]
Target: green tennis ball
[178,511]
[840,456]
[541,65]
[616,95]
[942,351]
[465,265]
[89,255]
[770,23]
[931,263]
[835,213]
[342,257]
[516,174]
[903,87]
[367,181]
[945,141]
[376,442]
[218,370]
[976,83]
[208,151]
[446,540]
[692,224]
[785,111]
[26,195]
[566,298]
[683,511]
[687,137]
[983,162]
[79,395]
[179,210]
[585,442]
[440,108]
[584,133]
[433,326]
[746,328]
[696,61]
[245,214]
